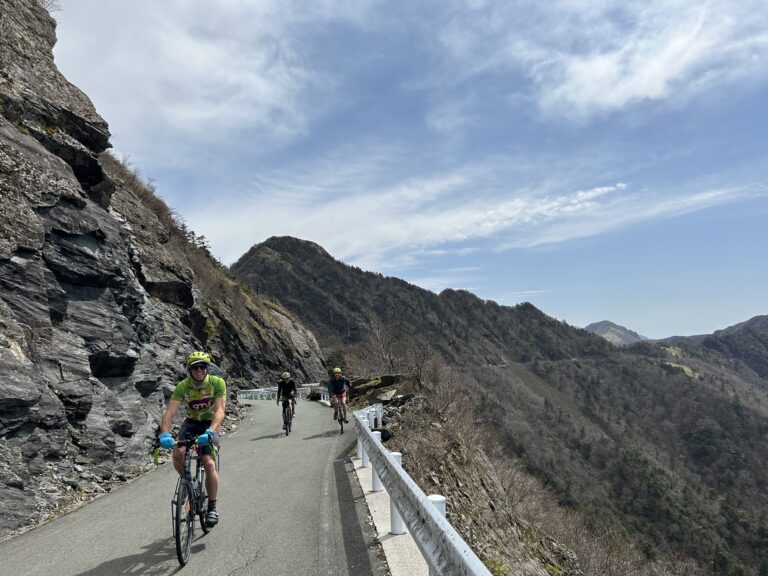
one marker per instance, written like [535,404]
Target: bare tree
[383,341]
[50,5]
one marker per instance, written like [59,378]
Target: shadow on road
[153,562]
[327,434]
[268,437]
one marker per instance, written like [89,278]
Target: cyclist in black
[337,385]
[286,390]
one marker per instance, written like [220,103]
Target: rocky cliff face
[101,294]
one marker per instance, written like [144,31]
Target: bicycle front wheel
[341,419]
[202,501]
[185,520]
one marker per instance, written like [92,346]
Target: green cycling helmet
[198,356]
[337,370]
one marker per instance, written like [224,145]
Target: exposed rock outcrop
[100,296]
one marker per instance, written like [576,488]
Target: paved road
[289,506]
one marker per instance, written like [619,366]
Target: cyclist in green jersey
[204,396]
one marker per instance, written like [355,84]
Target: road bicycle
[287,416]
[189,499]
[340,414]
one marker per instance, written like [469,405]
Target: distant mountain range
[615,334]
[666,437]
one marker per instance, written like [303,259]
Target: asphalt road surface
[288,505]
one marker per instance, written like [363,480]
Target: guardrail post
[396,525]
[364,454]
[359,445]
[375,480]
[371,413]
[379,415]
[439,502]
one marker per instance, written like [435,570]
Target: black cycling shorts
[194,428]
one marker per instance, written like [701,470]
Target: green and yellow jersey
[199,398]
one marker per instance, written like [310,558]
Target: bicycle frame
[189,499]
[340,413]
[287,415]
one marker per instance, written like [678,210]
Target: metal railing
[269,393]
[256,394]
[444,550]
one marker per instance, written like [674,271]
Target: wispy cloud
[384,222]
[620,212]
[588,58]
[201,74]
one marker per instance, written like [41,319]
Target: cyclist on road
[286,390]
[204,397]
[337,385]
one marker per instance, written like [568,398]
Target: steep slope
[101,294]
[615,334]
[665,440]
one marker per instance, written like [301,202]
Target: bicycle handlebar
[188,442]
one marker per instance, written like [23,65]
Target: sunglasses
[197,367]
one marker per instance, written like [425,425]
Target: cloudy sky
[601,159]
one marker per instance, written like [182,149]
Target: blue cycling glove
[166,440]
[208,438]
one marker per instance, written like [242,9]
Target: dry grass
[210,276]
[144,189]
[50,5]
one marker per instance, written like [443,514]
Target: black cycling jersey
[285,388]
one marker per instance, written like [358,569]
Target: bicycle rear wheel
[202,500]
[185,520]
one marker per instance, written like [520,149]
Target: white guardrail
[443,548]
[269,393]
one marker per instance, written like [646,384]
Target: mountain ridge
[335,299]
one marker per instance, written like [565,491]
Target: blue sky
[603,160]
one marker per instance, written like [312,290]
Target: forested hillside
[664,440]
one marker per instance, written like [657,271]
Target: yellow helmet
[285,375]
[337,370]
[198,356]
